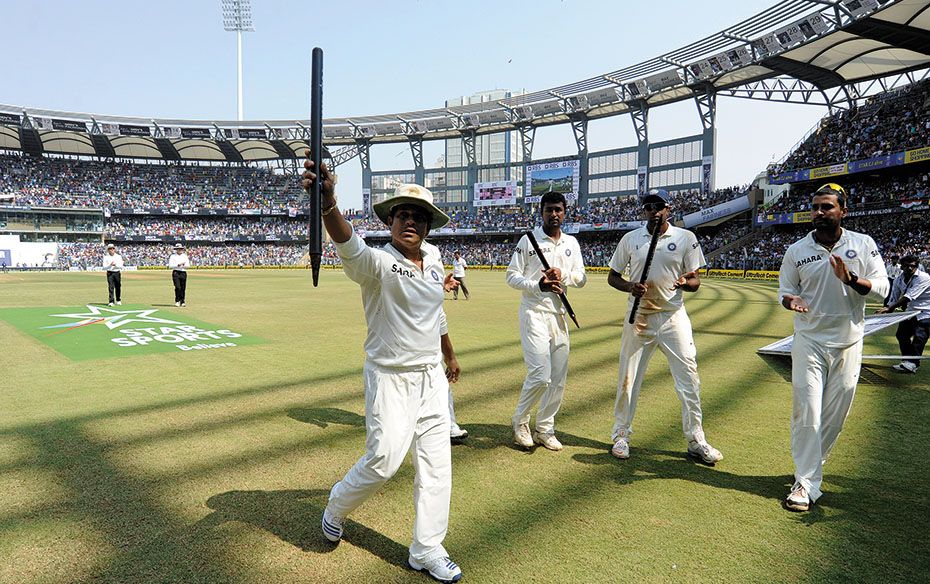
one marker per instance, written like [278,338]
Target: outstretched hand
[795,303]
[450,283]
[839,268]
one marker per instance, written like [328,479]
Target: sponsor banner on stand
[719,211]
[917,155]
[99,332]
[761,275]
[69,125]
[716,273]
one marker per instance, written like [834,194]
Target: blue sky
[173,59]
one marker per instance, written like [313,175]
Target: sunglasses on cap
[832,187]
[655,207]
[417,215]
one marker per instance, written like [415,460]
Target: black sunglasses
[654,207]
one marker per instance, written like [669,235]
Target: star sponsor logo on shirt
[98,332]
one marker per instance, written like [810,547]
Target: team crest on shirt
[434,275]
[851,253]
[672,246]
[568,252]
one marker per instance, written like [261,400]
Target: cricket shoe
[704,452]
[109,304]
[332,526]
[457,433]
[905,367]
[177,304]
[521,436]
[798,499]
[119,302]
[547,440]
[183,305]
[442,569]
[621,448]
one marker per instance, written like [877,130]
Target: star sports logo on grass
[96,332]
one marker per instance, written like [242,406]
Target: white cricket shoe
[798,499]
[109,304]
[521,435]
[905,367]
[547,440]
[119,302]
[177,304]
[457,433]
[332,526]
[183,304]
[441,569]
[621,448]
[704,452]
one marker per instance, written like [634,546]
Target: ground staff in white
[825,278]
[113,264]
[543,322]
[910,291]
[661,322]
[406,390]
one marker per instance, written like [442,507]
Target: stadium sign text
[98,332]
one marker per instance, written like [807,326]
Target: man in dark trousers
[911,291]
[179,262]
[113,264]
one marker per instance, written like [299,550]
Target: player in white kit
[406,390]
[543,322]
[825,278]
[661,323]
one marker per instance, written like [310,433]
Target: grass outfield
[214,465]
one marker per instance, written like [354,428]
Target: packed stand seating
[897,234]
[59,182]
[885,123]
[890,190]
[90,255]
[210,227]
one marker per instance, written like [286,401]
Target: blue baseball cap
[657,194]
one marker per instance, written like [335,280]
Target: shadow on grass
[490,436]
[294,517]
[323,417]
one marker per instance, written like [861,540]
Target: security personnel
[406,390]
[661,322]
[113,264]
[179,262]
[543,323]
[825,279]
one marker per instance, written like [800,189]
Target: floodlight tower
[237,16]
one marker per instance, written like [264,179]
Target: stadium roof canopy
[821,52]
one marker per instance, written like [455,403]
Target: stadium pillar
[416,149]
[527,135]
[468,143]
[707,109]
[580,128]
[640,116]
[364,147]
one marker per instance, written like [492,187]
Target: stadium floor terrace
[214,465]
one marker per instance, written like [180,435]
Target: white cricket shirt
[458,267]
[677,253]
[917,292]
[112,263]
[525,269]
[403,305]
[179,261]
[836,316]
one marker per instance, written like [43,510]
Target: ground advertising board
[873,324]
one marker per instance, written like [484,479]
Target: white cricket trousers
[405,410]
[544,336]
[670,332]
[824,384]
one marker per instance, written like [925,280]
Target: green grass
[214,466]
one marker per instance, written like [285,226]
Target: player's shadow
[490,436]
[779,364]
[162,305]
[323,417]
[294,516]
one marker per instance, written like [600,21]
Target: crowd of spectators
[897,234]
[60,182]
[90,255]
[889,190]
[885,123]
[205,227]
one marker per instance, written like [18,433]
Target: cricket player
[661,323]
[113,264]
[911,291]
[458,273]
[179,262]
[825,278]
[406,390]
[543,322]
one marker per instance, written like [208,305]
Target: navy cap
[658,194]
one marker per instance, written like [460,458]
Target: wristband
[328,210]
